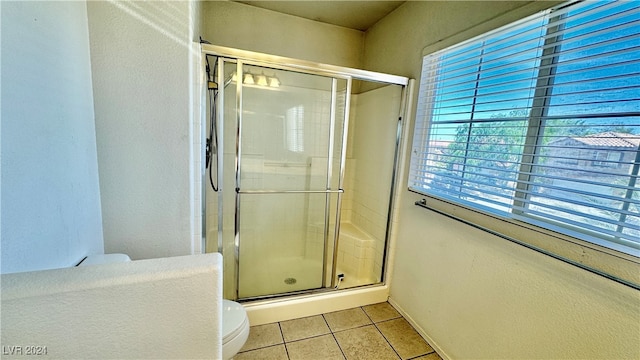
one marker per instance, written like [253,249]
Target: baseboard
[420,330]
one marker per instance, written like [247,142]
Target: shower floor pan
[287,275]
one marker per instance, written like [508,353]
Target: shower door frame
[240,63]
[243,57]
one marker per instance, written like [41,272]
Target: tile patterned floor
[364,333]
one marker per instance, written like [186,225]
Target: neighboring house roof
[439,143]
[608,139]
[439,146]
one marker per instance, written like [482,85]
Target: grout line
[417,328]
[260,348]
[353,328]
[394,349]
[418,356]
[310,337]
[284,343]
[387,340]
[332,333]
[326,322]
[370,319]
[265,346]
[375,325]
[334,337]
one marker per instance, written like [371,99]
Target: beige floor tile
[303,328]
[346,319]
[262,336]
[432,356]
[381,312]
[404,338]
[364,343]
[277,352]
[322,347]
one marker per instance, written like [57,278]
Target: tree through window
[539,121]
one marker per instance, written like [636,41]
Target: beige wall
[50,192]
[141,57]
[394,45]
[246,27]
[474,295]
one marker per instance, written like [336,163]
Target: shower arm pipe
[304,65]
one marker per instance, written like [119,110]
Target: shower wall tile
[360,245]
[347,215]
[364,269]
[372,148]
[347,245]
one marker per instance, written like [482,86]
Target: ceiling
[358,15]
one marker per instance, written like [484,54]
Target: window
[606,158]
[294,128]
[539,122]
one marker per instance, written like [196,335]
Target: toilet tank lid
[104,259]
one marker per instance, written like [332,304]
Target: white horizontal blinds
[588,146]
[539,120]
[477,118]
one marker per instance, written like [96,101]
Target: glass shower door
[290,135]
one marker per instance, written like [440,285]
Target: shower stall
[299,172]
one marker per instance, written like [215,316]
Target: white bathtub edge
[310,305]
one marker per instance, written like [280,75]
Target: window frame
[601,254]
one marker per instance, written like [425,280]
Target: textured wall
[141,58]
[246,27]
[50,192]
[167,308]
[472,294]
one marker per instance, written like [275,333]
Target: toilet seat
[235,328]
[234,319]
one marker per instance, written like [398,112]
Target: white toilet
[235,323]
[235,328]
